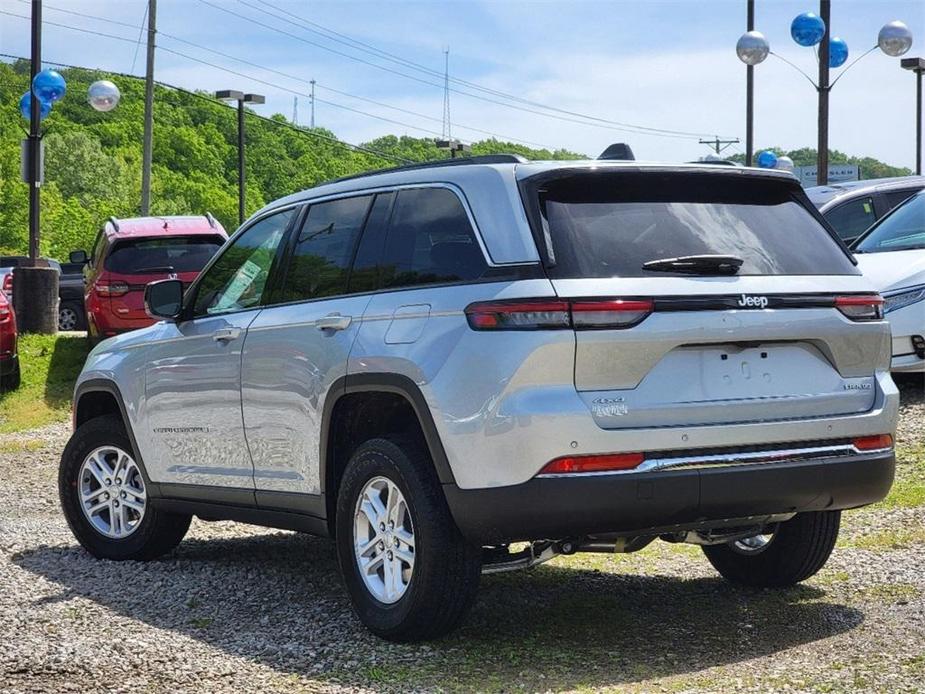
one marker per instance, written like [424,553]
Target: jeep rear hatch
[705,298]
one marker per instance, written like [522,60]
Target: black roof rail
[114,222]
[210,219]
[439,163]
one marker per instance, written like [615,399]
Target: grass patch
[909,488]
[201,622]
[50,364]
[889,592]
[904,538]
[21,445]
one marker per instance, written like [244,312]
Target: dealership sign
[838,173]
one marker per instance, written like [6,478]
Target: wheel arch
[98,397]
[405,400]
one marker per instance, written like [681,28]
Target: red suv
[130,253]
[9,359]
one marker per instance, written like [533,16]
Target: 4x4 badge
[753,301]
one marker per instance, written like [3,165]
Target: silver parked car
[432,363]
[853,206]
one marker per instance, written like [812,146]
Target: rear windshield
[167,254]
[901,231]
[609,225]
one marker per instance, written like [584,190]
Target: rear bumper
[666,500]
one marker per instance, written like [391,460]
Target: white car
[892,255]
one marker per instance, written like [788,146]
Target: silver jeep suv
[474,365]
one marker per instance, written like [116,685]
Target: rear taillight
[873,443]
[860,308]
[583,464]
[5,313]
[112,289]
[8,283]
[552,314]
[518,315]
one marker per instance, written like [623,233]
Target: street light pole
[822,149]
[917,65]
[241,98]
[750,93]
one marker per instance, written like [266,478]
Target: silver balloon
[752,47]
[785,163]
[895,39]
[103,95]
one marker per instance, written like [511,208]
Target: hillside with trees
[93,160]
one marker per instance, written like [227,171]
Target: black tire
[446,570]
[79,318]
[12,380]
[797,550]
[157,533]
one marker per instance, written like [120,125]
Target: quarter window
[321,257]
[430,241]
[238,278]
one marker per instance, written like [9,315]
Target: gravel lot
[237,608]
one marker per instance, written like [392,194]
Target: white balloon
[103,95]
[785,163]
[895,39]
[752,47]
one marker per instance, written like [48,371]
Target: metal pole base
[35,299]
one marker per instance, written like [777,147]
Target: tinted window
[167,254]
[430,241]
[894,197]
[851,218]
[364,277]
[604,225]
[904,229]
[237,279]
[324,248]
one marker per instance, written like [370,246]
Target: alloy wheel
[383,540]
[112,492]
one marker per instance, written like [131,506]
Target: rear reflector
[554,314]
[873,443]
[570,465]
[860,308]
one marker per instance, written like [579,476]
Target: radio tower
[446,141]
[295,110]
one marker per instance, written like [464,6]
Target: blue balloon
[767,159]
[49,85]
[25,107]
[807,29]
[838,52]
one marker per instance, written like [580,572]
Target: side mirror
[78,257]
[164,299]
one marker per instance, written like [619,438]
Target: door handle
[226,334]
[335,321]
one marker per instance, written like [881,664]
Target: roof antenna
[619,151]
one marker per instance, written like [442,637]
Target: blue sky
[660,64]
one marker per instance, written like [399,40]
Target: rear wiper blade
[696,264]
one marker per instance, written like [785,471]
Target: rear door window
[894,197]
[175,254]
[430,241]
[324,248]
[609,225]
[851,218]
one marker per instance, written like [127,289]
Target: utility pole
[295,110]
[750,93]
[822,148]
[149,112]
[719,145]
[35,136]
[313,104]
[447,135]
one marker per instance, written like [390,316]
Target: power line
[252,114]
[635,130]
[370,49]
[163,34]
[141,30]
